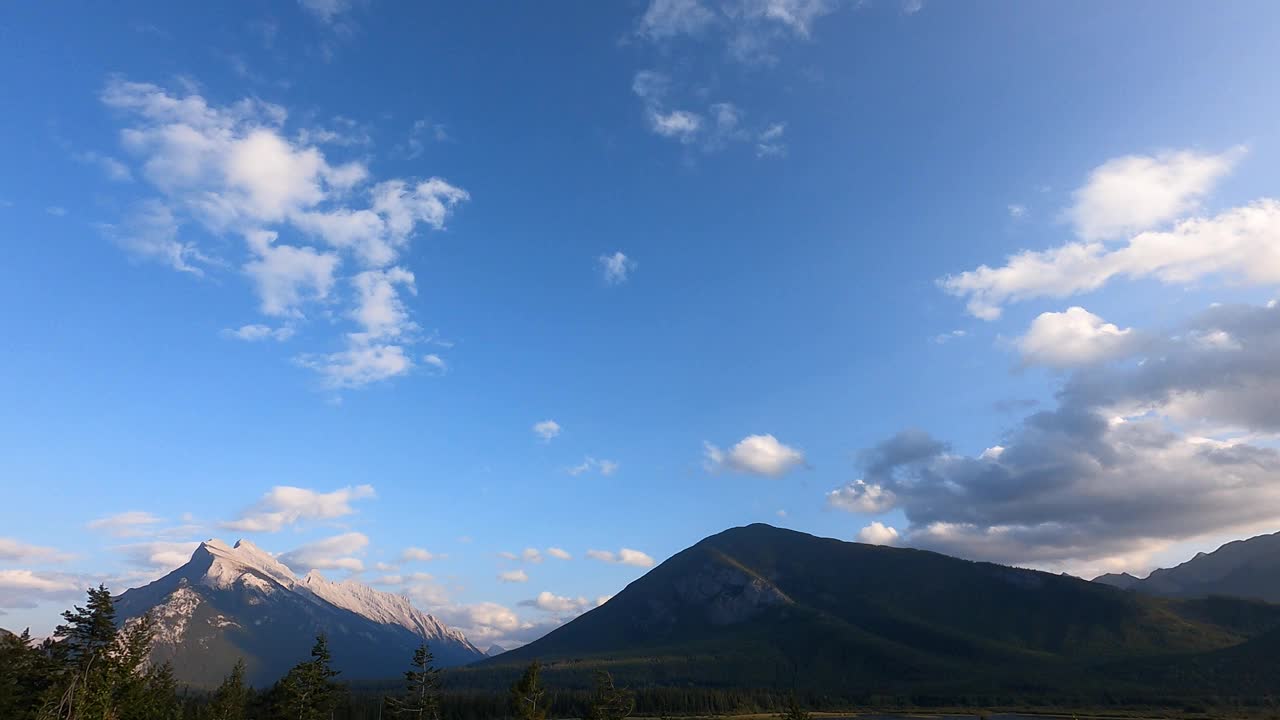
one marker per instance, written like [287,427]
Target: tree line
[95,669]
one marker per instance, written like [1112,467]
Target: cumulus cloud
[1136,455]
[126,524]
[333,553]
[1138,192]
[755,454]
[1238,245]
[561,606]
[877,533]
[513,576]
[625,556]
[316,233]
[1073,338]
[546,429]
[286,505]
[616,268]
[558,553]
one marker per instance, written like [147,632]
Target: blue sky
[729,248]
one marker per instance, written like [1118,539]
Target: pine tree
[231,697]
[102,672]
[528,695]
[610,702]
[309,692]
[422,688]
[25,674]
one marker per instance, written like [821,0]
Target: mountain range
[230,602]
[764,607]
[1242,568]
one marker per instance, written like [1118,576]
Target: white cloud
[1073,338]
[546,429]
[681,125]
[125,524]
[418,554]
[41,582]
[1240,245]
[749,27]
[379,309]
[286,505]
[359,366]
[558,604]
[769,142]
[232,171]
[615,268]
[1138,192]
[531,555]
[513,576]
[1237,245]
[159,556]
[755,454]
[255,332]
[718,125]
[944,338]
[150,232]
[435,363]
[588,464]
[877,533]
[19,552]
[332,553]
[861,497]
[56,210]
[286,276]
[558,553]
[625,556]
[1017,211]
[669,18]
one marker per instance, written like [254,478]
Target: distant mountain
[1243,568]
[1123,580]
[758,606]
[495,650]
[239,602]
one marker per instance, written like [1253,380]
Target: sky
[498,306]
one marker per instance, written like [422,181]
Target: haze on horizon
[498,310]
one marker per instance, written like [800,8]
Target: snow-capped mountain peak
[223,566]
[231,601]
[383,607]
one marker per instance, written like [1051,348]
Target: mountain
[232,602]
[495,650]
[1123,580]
[1243,568]
[759,606]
